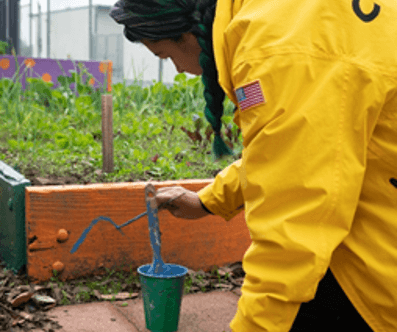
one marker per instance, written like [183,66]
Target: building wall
[39,36]
[140,63]
[108,41]
[70,37]
[105,25]
[70,34]
[24,30]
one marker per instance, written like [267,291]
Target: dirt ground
[24,306]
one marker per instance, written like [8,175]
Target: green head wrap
[160,19]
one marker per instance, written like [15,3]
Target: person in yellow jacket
[315,86]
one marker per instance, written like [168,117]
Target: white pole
[17,41]
[7,21]
[30,23]
[160,70]
[91,30]
[39,36]
[48,28]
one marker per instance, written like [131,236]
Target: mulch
[87,176]
[24,306]
[19,311]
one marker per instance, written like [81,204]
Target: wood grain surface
[56,216]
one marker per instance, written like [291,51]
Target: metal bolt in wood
[62,235]
[58,266]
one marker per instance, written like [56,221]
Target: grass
[159,132]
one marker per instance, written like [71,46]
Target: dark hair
[160,19]
[175,39]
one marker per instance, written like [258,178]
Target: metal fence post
[160,70]
[90,30]
[7,21]
[48,29]
[31,27]
[39,43]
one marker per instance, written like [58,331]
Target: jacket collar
[223,16]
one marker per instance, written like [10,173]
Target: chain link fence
[51,29]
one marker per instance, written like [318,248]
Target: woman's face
[184,53]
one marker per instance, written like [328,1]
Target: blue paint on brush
[158,267]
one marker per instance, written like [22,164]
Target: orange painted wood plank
[56,216]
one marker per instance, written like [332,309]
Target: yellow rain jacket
[320,150]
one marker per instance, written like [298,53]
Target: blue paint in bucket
[171,271]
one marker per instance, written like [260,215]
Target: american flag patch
[250,95]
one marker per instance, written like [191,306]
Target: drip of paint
[158,267]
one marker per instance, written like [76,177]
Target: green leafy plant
[187,285]
[3,47]
[160,131]
[65,300]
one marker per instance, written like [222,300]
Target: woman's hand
[186,206]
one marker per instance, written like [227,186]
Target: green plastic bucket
[162,297]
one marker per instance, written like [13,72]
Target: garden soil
[24,305]
[84,177]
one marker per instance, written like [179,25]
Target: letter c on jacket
[365,17]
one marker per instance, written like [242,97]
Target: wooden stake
[107,133]
[109,74]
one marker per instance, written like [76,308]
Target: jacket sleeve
[305,148]
[223,197]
